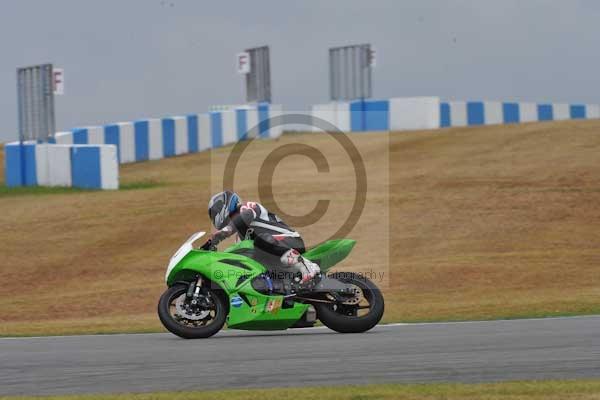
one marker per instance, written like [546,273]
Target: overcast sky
[125,60]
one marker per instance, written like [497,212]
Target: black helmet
[221,206]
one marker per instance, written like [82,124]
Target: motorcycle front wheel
[192,321]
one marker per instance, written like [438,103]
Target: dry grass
[527,390]
[491,222]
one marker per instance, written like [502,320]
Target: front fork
[193,292]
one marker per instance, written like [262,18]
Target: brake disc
[186,311]
[358,296]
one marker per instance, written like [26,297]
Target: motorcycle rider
[270,234]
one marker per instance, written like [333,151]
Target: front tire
[203,324]
[344,318]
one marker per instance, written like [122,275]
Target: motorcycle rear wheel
[206,326]
[344,318]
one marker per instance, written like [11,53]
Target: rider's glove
[221,235]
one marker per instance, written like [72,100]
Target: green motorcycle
[207,289]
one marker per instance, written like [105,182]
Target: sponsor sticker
[273,305]
[236,301]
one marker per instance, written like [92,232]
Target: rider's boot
[307,268]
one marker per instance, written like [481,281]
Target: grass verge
[44,190]
[526,390]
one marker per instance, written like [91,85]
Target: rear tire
[188,332]
[333,319]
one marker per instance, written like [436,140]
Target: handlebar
[208,246]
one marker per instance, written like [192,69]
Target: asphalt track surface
[557,348]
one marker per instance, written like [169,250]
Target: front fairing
[181,253]
[222,268]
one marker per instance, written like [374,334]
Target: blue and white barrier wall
[336,113]
[83,157]
[152,139]
[408,113]
[430,113]
[470,113]
[83,166]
